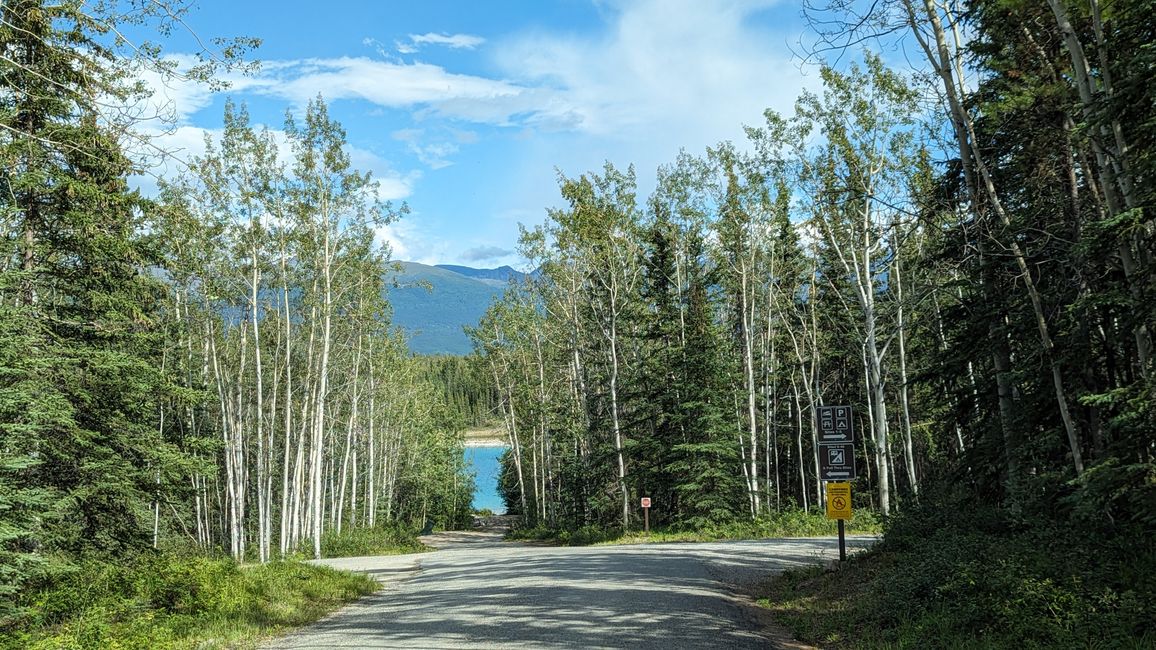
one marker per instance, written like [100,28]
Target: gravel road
[477,591]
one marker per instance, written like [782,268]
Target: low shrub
[356,542]
[952,577]
[167,601]
[787,523]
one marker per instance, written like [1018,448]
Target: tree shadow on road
[651,596]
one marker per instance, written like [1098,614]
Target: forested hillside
[432,304]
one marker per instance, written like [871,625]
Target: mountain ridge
[432,303]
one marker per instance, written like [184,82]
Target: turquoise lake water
[483,461]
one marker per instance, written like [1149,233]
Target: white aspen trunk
[160,435]
[743,454]
[617,425]
[353,491]
[371,466]
[879,408]
[857,264]
[323,388]
[238,428]
[353,411]
[908,447]
[263,511]
[542,401]
[810,384]
[748,309]
[771,390]
[288,413]
[768,416]
[814,395]
[616,291]
[301,518]
[509,412]
[347,455]
[799,442]
[182,307]
[814,412]
[234,484]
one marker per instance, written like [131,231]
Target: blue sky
[467,110]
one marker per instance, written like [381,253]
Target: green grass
[357,542]
[788,523]
[165,601]
[974,580]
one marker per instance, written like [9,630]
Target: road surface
[477,591]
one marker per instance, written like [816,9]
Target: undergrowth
[163,600]
[944,577]
[357,542]
[788,523]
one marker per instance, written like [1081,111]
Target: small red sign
[645,502]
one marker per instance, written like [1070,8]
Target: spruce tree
[711,488]
[78,292]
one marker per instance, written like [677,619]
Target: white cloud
[683,70]
[455,41]
[409,242]
[433,154]
[397,85]
[392,185]
[676,70]
[486,253]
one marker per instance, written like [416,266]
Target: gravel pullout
[477,591]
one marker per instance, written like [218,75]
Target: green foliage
[466,389]
[950,575]
[787,523]
[167,601]
[362,541]
[79,345]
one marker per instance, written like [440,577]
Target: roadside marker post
[646,513]
[837,465]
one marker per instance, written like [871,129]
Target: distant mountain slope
[433,318]
[502,274]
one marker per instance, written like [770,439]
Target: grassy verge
[359,542]
[973,580]
[789,523]
[166,601]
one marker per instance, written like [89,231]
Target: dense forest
[210,368]
[963,255]
[962,252]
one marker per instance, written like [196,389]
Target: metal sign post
[839,507]
[646,513]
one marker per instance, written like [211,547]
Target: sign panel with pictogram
[835,424]
[837,461]
[838,501]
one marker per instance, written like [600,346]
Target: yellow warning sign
[838,501]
